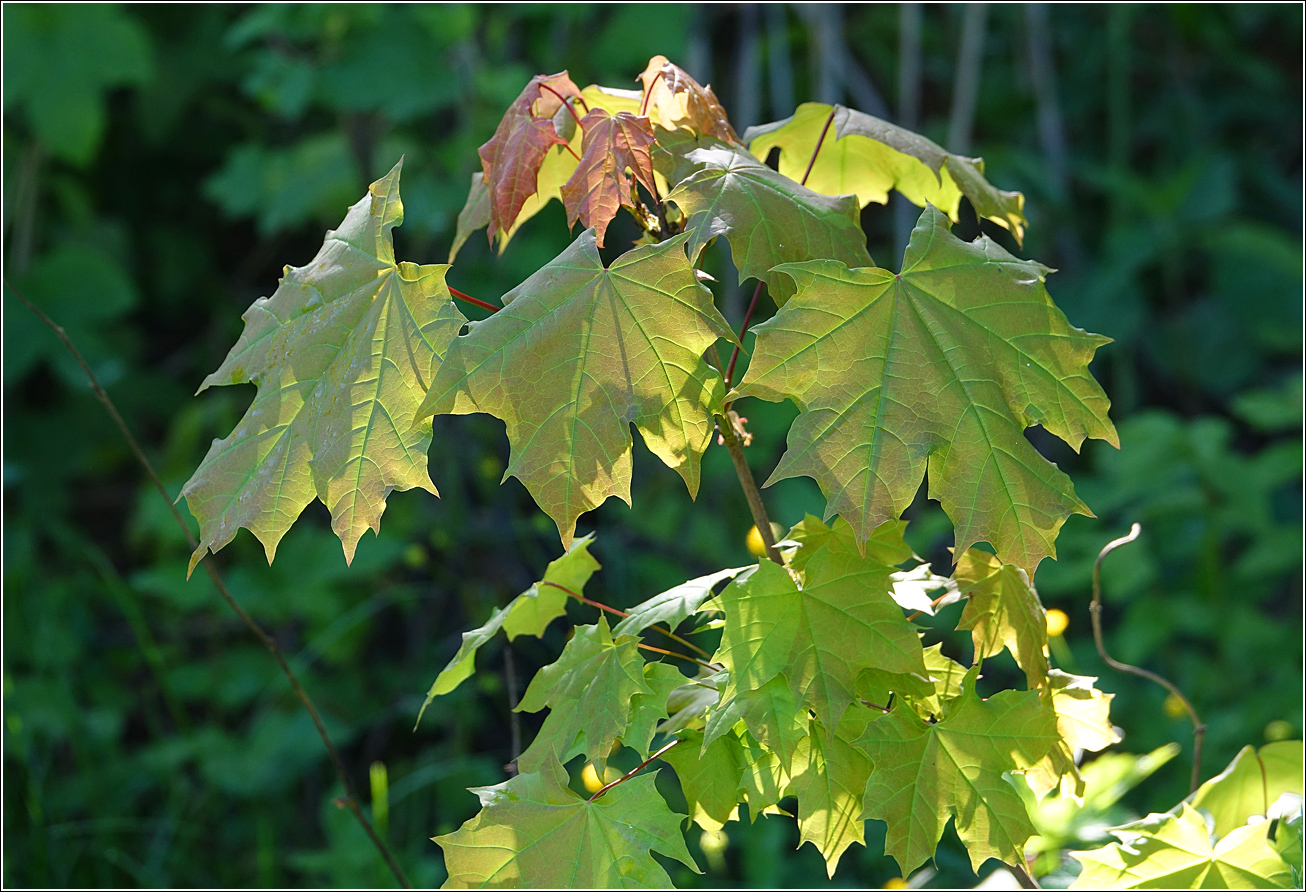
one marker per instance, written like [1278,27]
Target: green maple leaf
[527,614]
[534,832]
[1251,784]
[1083,722]
[1003,610]
[821,636]
[944,364]
[687,704]
[768,712]
[1176,852]
[768,218]
[342,353]
[590,692]
[675,605]
[709,776]
[865,156]
[577,353]
[474,215]
[926,772]
[648,712]
[829,778]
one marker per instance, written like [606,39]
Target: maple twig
[634,771]
[623,614]
[671,653]
[1095,612]
[567,104]
[351,797]
[473,300]
[749,486]
[934,603]
[743,330]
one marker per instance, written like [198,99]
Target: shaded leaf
[709,776]
[767,217]
[527,614]
[576,354]
[589,691]
[770,715]
[865,156]
[474,215]
[926,772]
[1003,610]
[820,636]
[342,353]
[600,187]
[675,605]
[1251,783]
[533,831]
[676,100]
[945,364]
[689,703]
[1176,852]
[511,158]
[649,711]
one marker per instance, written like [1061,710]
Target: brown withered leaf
[677,100]
[511,159]
[599,187]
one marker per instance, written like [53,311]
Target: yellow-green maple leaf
[577,354]
[342,354]
[864,156]
[942,365]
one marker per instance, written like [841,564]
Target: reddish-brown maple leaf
[600,187]
[681,101]
[511,159]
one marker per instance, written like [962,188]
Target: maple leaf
[649,712]
[527,614]
[1083,722]
[1176,852]
[768,712]
[767,218]
[576,354]
[924,772]
[341,353]
[474,215]
[1251,783]
[533,831]
[866,157]
[947,363]
[675,605]
[600,187]
[675,100]
[821,636]
[511,159]
[589,692]
[1003,610]
[829,778]
[709,776]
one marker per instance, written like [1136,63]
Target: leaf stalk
[634,771]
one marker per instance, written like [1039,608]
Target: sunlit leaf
[342,353]
[600,186]
[1251,784]
[1003,610]
[944,366]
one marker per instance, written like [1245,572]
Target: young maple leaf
[941,365]
[678,100]
[578,352]
[341,353]
[533,831]
[924,773]
[599,187]
[511,159]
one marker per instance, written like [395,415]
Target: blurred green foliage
[161,164]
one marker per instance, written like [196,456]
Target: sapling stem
[643,106]
[749,485]
[351,796]
[1095,613]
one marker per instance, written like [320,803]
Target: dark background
[162,163]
